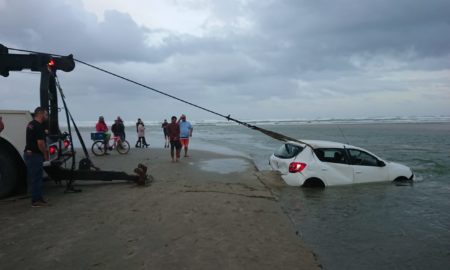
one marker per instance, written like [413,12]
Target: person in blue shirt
[185,133]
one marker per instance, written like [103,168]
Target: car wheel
[402,180]
[313,183]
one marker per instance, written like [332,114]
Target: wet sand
[207,211]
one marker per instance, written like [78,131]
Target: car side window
[358,157]
[333,155]
[288,151]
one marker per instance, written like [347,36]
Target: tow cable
[86,163]
[270,133]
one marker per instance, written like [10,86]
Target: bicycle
[98,146]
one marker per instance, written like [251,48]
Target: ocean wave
[271,122]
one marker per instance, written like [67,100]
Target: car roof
[329,144]
[322,144]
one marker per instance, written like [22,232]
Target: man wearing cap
[185,133]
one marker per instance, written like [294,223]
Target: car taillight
[52,150]
[66,144]
[296,167]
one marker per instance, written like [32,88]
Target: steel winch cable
[267,132]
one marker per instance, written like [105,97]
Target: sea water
[365,226]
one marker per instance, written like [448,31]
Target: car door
[334,167]
[366,167]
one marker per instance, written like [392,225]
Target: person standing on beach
[185,133]
[138,142]
[173,130]
[35,154]
[141,136]
[137,124]
[166,133]
[115,128]
[121,129]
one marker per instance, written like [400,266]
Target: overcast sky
[253,59]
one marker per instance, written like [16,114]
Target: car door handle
[358,172]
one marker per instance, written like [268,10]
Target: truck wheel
[9,174]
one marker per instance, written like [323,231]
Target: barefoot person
[185,133]
[173,130]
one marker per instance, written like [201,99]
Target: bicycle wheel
[123,147]
[98,148]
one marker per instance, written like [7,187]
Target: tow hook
[141,171]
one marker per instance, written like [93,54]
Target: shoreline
[274,122]
[207,211]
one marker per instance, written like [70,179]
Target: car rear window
[288,151]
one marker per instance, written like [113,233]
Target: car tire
[402,181]
[313,183]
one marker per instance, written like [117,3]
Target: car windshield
[288,151]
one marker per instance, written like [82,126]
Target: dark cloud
[284,52]
[338,29]
[63,27]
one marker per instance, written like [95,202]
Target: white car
[331,163]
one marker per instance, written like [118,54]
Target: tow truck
[59,144]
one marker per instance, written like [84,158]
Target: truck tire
[10,175]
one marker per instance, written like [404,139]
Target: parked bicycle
[99,148]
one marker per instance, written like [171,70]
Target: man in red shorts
[185,133]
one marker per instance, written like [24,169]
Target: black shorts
[176,144]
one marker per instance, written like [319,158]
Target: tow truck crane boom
[47,65]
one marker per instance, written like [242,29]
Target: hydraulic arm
[47,65]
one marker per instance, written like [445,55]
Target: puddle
[224,165]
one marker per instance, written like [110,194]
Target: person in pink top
[103,128]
